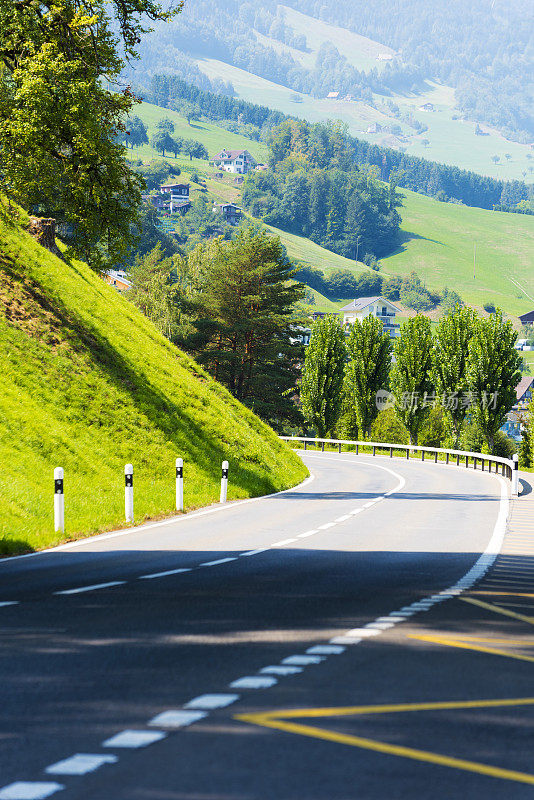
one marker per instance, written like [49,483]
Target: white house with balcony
[236,161]
[379,307]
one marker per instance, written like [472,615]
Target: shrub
[387,427]
[489,306]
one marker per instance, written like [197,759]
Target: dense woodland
[442,181]
[481,49]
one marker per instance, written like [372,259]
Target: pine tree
[368,369]
[321,389]
[410,379]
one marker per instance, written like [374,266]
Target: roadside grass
[89,384]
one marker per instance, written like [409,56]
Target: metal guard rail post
[509,467]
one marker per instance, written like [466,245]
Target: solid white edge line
[170,521]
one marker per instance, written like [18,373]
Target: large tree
[369,350]
[136,132]
[449,364]
[321,389]
[61,122]
[410,378]
[493,372]
[245,322]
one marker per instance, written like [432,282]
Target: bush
[419,301]
[342,284]
[391,287]
[435,429]
[387,427]
[368,285]
[489,306]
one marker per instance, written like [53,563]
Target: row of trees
[469,368]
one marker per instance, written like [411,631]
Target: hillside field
[89,384]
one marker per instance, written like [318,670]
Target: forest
[441,181]
[481,50]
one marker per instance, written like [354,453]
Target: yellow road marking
[278,721]
[507,594]
[498,609]
[463,645]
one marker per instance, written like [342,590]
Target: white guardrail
[508,467]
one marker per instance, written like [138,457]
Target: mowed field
[213,137]
[439,242]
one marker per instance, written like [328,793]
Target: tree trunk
[44,231]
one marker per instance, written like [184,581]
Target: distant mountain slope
[89,384]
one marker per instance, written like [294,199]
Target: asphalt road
[321,644]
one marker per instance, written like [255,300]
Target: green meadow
[89,384]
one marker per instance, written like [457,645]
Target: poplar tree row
[469,368]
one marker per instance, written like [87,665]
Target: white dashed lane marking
[9,603]
[29,790]
[218,561]
[283,542]
[80,764]
[164,574]
[278,670]
[210,701]
[176,718]
[92,588]
[134,739]
[302,661]
[253,682]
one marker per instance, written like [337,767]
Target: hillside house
[382,309]
[374,128]
[427,107]
[528,318]
[172,198]
[516,417]
[236,161]
[231,213]
[332,96]
[117,278]
[384,57]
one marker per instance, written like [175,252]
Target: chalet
[117,278]
[231,213]
[384,57]
[332,95]
[427,107]
[175,189]
[382,309]
[374,128]
[236,161]
[172,198]
[528,318]
[515,419]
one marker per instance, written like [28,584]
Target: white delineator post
[128,493]
[224,482]
[515,475]
[59,501]
[179,484]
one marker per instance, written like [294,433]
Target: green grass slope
[438,242]
[89,384]
[212,136]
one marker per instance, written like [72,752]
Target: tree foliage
[450,364]
[369,349]
[245,324]
[410,378]
[61,125]
[493,373]
[321,388]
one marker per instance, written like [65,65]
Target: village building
[528,318]
[231,213]
[117,278]
[427,107]
[379,307]
[172,198]
[515,419]
[374,128]
[332,95]
[237,161]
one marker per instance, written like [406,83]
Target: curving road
[320,644]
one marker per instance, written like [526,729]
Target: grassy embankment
[89,384]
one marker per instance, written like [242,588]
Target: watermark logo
[384,400]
